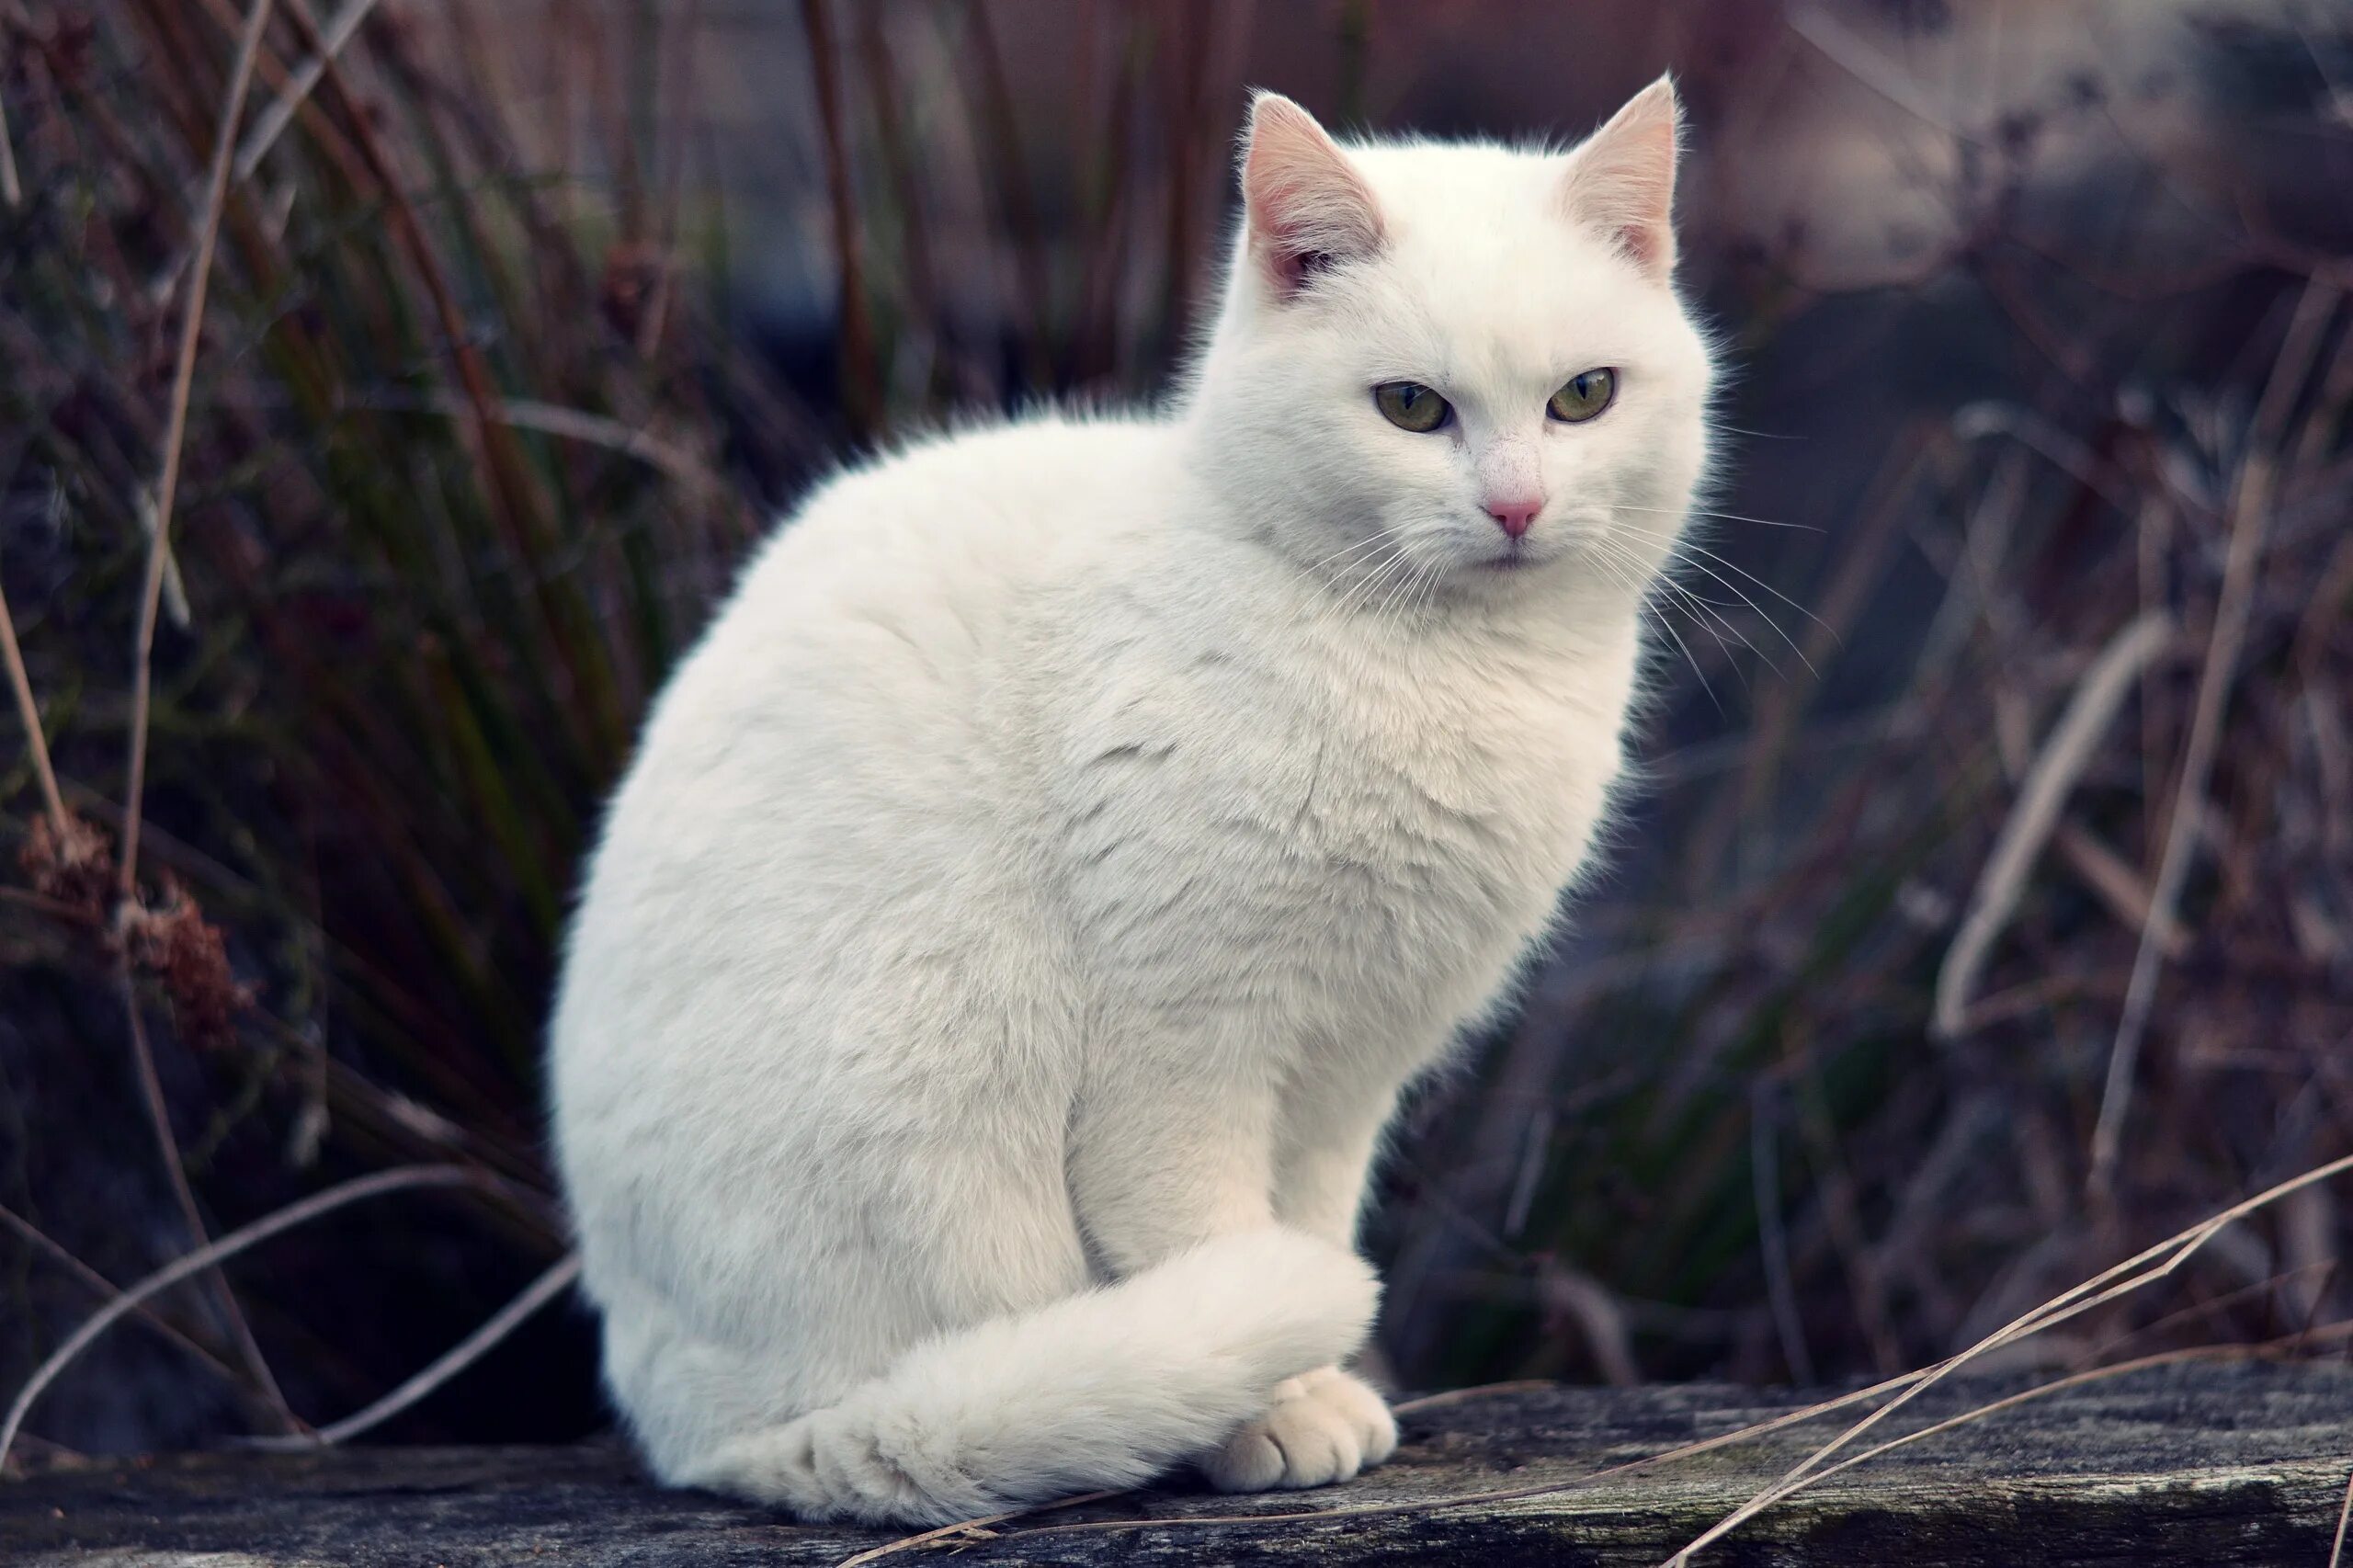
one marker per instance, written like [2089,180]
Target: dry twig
[216,195]
[2145,1267]
[457,1359]
[167,1152]
[28,710]
[341,1194]
[2060,762]
[150,602]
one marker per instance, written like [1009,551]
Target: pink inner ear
[1307,206]
[1623,180]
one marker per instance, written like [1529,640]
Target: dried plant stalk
[2060,762]
[36,742]
[151,598]
[211,1254]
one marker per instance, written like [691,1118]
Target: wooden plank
[2211,1464]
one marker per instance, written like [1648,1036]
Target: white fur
[1030,898]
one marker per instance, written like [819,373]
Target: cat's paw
[1321,1427]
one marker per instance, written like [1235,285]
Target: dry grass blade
[570,424]
[341,1194]
[2078,1380]
[216,195]
[2250,519]
[2143,1269]
[1465,1396]
[28,710]
[2062,761]
[447,1365]
[964,1529]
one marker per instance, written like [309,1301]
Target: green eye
[1584,395]
[1409,406]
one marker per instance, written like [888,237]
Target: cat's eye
[1409,406]
[1582,395]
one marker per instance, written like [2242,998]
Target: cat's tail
[1105,1389]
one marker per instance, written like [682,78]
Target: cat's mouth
[1515,557]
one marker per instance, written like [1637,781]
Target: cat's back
[880,614]
[842,721]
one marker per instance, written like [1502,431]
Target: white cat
[1031,897]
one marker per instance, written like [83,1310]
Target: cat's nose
[1513,515]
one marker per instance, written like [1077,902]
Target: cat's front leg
[1328,1138]
[1329,1424]
[1172,1145]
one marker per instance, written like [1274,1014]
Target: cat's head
[1457,365]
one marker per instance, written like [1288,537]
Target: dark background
[539,309]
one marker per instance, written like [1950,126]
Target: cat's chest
[1472,791]
[1344,818]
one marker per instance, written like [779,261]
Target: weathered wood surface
[2209,1464]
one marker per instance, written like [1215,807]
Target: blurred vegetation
[514,339]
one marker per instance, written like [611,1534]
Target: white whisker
[1642,602]
[1704,616]
[1727,516]
[1676,550]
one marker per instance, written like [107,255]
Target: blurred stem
[641,105]
[1095,351]
[922,281]
[1188,88]
[29,711]
[861,393]
[1355,37]
[293,87]
[294,94]
[151,600]
[159,1117]
[11,191]
[1022,213]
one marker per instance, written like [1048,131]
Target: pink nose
[1515,515]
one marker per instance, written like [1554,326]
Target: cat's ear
[1304,205]
[1623,180]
